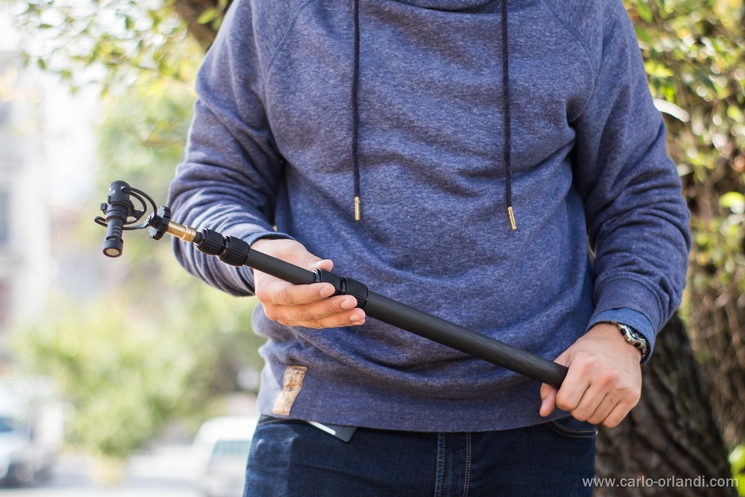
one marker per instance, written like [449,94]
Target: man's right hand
[302,305]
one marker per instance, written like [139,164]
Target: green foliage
[144,132]
[105,41]
[161,345]
[695,58]
[213,17]
[737,460]
[127,370]
[694,54]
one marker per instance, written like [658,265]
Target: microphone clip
[122,215]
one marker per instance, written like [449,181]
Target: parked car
[222,445]
[22,459]
[31,430]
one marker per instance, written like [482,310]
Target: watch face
[634,338]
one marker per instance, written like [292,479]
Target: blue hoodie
[437,132]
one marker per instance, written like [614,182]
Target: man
[455,155]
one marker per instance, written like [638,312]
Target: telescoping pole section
[236,252]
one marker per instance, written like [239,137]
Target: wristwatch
[634,338]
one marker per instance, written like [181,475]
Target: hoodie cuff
[629,317]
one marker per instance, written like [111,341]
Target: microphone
[118,209]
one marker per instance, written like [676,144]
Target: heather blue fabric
[291,458]
[270,147]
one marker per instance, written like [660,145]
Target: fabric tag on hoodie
[292,384]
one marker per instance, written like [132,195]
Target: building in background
[47,161]
[25,229]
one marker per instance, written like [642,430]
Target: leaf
[672,110]
[643,35]
[737,459]
[207,16]
[735,113]
[644,11]
[657,70]
[734,201]
[684,170]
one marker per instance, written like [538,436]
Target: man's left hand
[604,381]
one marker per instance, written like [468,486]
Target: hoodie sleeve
[636,217]
[230,175]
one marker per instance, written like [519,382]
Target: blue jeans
[293,458]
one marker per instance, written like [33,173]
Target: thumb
[325,264]
[548,400]
[300,256]
[548,393]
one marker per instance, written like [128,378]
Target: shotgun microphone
[118,209]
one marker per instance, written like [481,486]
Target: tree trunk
[718,341]
[717,321]
[670,434]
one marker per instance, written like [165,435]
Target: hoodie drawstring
[505,105]
[356,111]
[507,127]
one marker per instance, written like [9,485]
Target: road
[169,471]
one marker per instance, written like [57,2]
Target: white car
[222,445]
[23,459]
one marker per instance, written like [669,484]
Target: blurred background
[108,368]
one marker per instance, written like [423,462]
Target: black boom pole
[236,252]
[405,317]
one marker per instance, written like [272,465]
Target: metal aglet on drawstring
[512,218]
[357,208]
